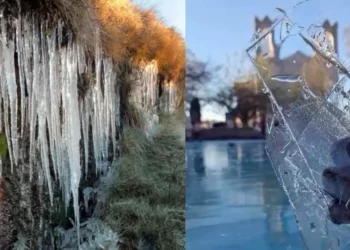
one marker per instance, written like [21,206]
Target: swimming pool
[234,201]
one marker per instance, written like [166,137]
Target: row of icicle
[48,96]
[146,96]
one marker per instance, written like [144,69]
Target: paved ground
[234,201]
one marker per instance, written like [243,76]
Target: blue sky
[216,29]
[220,28]
[172,11]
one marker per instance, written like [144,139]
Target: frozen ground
[234,201]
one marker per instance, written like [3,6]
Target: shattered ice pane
[309,89]
[300,82]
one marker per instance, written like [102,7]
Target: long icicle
[52,115]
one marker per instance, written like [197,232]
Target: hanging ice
[60,105]
[54,117]
[145,91]
[311,115]
[146,96]
[170,100]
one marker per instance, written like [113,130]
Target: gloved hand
[336,182]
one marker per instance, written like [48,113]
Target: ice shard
[309,90]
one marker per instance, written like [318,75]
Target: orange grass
[128,32]
[139,34]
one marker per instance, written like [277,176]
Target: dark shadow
[219,125]
[160,82]
[231,152]
[199,164]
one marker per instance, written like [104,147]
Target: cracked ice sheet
[311,112]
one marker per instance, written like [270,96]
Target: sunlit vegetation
[127,31]
[130,35]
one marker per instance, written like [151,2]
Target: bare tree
[239,91]
[198,75]
[225,98]
[241,99]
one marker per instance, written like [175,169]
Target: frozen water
[52,112]
[286,78]
[59,107]
[145,90]
[88,191]
[309,93]
[145,93]
[170,100]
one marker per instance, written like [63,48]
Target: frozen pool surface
[234,201]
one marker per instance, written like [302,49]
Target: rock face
[5,223]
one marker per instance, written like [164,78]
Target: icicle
[9,94]
[20,59]
[84,114]
[48,77]
[33,97]
[107,69]
[88,191]
[145,93]
[42,111]
[27,107]
[12,93]
[54,118]
[72,123]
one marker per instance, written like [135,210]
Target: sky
[217,29]
[220,28]
[172,11]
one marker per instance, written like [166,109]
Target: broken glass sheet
[309,90]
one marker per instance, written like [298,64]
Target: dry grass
[131,32]
[133,117]
[81,17]
[127,31]
[147,201]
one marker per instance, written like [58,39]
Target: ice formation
[145,94]
[54,97]
[170,101]
[305,127]
[50,108]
